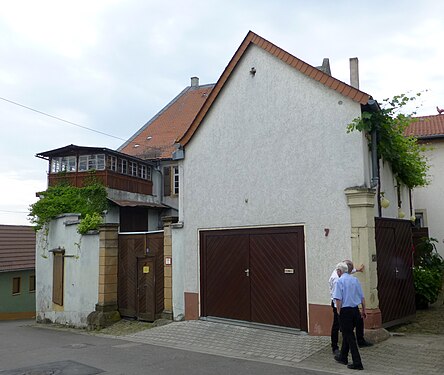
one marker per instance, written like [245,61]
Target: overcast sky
[110,65]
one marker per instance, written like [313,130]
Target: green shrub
[89,222]
[62,199]
[428,272]
[428,283]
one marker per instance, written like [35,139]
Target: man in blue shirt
[348,296]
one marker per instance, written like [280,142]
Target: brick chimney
[194,81]
[354,72]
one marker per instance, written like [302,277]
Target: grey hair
[343,267]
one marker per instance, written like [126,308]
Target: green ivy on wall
[404,154]
[89,201]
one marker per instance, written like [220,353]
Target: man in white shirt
[335,326]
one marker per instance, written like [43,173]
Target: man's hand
[360,268]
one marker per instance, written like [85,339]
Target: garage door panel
[227,285]
[273,289]
[274,293]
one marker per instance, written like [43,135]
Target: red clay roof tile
[156,138]
[426,126]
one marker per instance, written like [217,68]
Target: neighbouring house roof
[17,248]
[82,150]
[157,138]
[310,71]
[427,127]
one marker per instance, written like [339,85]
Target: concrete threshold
[246,324]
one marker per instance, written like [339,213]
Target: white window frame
[175,178]
[91,162]
[63,164]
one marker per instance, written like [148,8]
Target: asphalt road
[29,350]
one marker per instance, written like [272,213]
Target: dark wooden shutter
[167,181]
[57,281]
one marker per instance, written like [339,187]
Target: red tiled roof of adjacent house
[427,126]
[156,139]
[17,248]
[303,67]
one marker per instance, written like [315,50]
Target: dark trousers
[348,319]
[335,329]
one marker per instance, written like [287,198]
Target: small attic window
[149,137]
[136,145]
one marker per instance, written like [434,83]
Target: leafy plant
[428,284]
[404,154]
[89,222]
[428,272]
[64,198]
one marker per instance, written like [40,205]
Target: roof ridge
[307,69]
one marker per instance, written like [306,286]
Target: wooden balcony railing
[108,178]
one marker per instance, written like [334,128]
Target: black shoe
[364,344]
[352,366]
[339,359]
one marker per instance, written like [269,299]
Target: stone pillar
[106,309]
[362,211]
[167,261]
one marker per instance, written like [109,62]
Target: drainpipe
[373,106]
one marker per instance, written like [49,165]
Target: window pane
[16,285]
[176,180]
[55,165]
[83,163]
[148,173]
[92,162]
[100,162]
[71,167]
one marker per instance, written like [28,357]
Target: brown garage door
[255,275]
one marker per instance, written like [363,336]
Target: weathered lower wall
[81,273]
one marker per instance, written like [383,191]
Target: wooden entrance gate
[140,278]
[255,275]
[395,275]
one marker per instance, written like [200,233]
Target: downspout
[375,179]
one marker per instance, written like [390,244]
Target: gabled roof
[17,248]
[303,67]
[427,127]
[157,137]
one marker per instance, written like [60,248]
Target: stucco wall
[430,198]
[388,187]
[273,150]
[17,303]
[80,273]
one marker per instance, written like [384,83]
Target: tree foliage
[404,154]
[89,201]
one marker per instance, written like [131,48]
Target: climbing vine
[90,201]
[405,155]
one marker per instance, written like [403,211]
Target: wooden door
[255,275]
[146,294]
[395,276]
[276,295]
[132,248]
[225,270]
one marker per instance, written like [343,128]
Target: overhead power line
[63,120]
[14,212]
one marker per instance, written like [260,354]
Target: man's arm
[338,305]
[363,312]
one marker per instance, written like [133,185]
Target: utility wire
[14,212]
[60,119]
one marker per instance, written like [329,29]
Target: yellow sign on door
[146,269]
